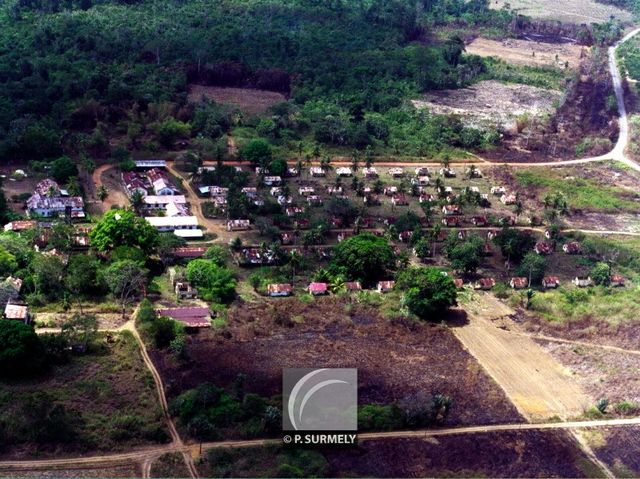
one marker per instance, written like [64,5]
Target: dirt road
[538,386]
[115,196]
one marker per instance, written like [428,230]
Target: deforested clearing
[246,99]
[491,102]
[526,52]
[572,11]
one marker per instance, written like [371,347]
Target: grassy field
[102,401]
[581,193]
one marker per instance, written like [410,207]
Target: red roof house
[318,289]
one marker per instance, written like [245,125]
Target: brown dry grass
[521,52]
[570,11]
[254,102]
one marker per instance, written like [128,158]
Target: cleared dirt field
[395,358]
[534,381]
[503,454]
[524,52]
[254,102]
[572,11]
[490,102]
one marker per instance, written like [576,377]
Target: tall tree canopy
[123,228]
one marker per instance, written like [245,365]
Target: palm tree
[137,199]
[102,193]
[355,160]
[337,284]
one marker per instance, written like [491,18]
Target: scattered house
[192,318]
[238,225]
[617,281]
[317,172]
[306,190]
[202,169]
[544,247]
[370,173]
[473,189]
[480,221]
[292,171]
[459,283]
[498,190]
[302,223]
[474,172]
[336,222]
[399,199]
[48,200]
[318,289]
[548,234]
[272,180]
[462,234]
[492,234]
[451,221]
[286,238]
[279,290]
[582,282]
[183,226]
[573,247]
[343,235]
[155,202]
[396,172]
[257,256]
[507,221]
[420,181]
[344,171]
[385,286]
[218,191]
[352,286]
[334,190]
[450,210]
[184,290]
[162,186]
[485,284]
[508,199]
[484,201]
[314,200]
[284,200]
[550,282]
[250,192]
[427,198]
[519,283]
[422,171]
[145,164]
[291,211]
[390,190]
[189,252]
[16,312]
[404,236]
[22,225]
[447,172]
[276,191]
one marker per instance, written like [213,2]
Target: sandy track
[532,379]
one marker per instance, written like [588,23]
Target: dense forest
[75,74]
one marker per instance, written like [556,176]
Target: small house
[272,180]
[162,186]
[385,286]
[498,190]
[293,211]
[306,190]
[370,173]
[508,199]
[318,289]
[485,284]
[573,247]
[192,318]
[399,199]
[238,225]
[450,210]
[480,221]
[474,173]
[188,252]
[519,283]
[550,282]
[459,283]
[279,290]
[334,190]
[422,171]
[314,200]
[447,172]
[184,290]
[405,236]
[544,247]
[352,286]
[286,238]
[420,181]
[344,171]
[582,282]
[20,225]
[617,281]
[317,172]
[16,312]
[426,198]
[390,190]
[396,172]
[451,221]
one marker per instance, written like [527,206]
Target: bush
[427,292]
[164,330]
[375,417]
[21,350]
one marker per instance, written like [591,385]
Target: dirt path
[212,226]
[537,384]
[115,197]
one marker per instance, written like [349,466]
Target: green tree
[215,283]
[428,293]
[123,228]
[125,279]
[63,168]
[217,254]
[47,274]
[171,130]
[465,255]
[364,257]
[278,167]
[257,151]
[8,262]
[21,351]
[422,248]
[601,274]
[514,244]
[533,267]
[82,275]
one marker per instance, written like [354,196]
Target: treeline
[76,69]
